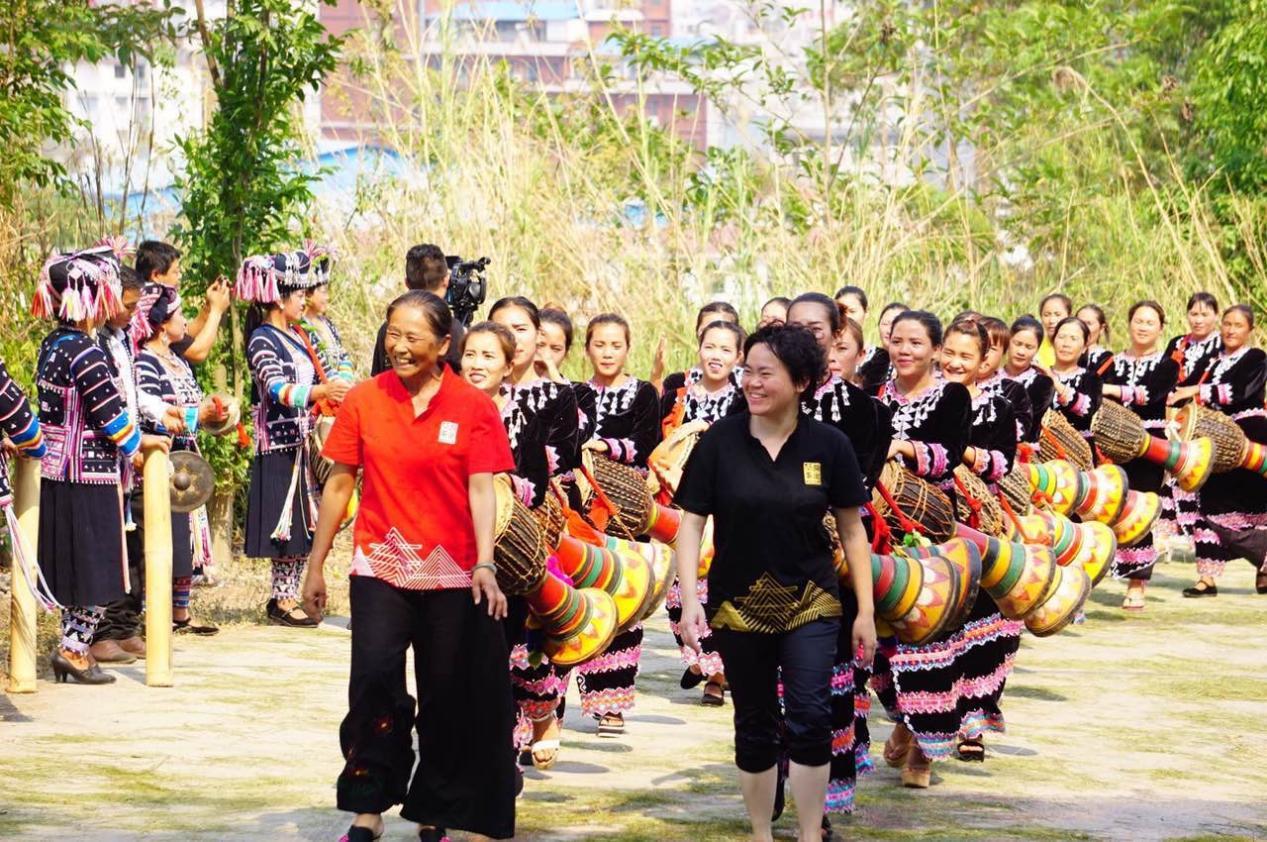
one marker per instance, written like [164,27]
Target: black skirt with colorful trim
[81,550]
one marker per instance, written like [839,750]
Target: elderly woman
[769,477]
[427,445]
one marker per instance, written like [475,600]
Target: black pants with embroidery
[465,777]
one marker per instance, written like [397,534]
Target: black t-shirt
[379,362]
[772,569]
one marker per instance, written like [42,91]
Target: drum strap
[883,540]
[904,521]
[974,519]
[323,406]
[603,510]
[676,415]
[1050,438]
[1177,356]
[1011,514]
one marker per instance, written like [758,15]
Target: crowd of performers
[487,532]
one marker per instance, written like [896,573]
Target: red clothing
[414,527]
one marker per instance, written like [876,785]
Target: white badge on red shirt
[448,432]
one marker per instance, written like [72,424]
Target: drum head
[192,481]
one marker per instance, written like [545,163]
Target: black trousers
[753,663]
[123,617]
[465,776]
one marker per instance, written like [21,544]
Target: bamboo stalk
[156,482]
[22,642]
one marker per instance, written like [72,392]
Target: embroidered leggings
[79,624]
[288,574]
[607,682]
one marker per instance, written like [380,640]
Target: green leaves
[242,190]
[40,40]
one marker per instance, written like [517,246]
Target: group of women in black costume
[770,624]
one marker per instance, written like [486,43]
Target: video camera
[468,287]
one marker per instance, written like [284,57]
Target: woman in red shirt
[427,445]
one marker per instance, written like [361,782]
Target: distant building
[135,114]
[542,43]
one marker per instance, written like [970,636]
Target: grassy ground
[1143,727]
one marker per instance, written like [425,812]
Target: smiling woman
[768,478]
[427,445]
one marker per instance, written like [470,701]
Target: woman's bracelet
[487,565]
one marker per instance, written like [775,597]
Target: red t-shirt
[414,527]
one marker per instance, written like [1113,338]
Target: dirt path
[1134,728]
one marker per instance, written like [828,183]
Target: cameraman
[425,269]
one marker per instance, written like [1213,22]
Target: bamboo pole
[26,506]
[156,490]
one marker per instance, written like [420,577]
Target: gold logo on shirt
[813,473]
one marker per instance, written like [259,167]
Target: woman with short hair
[776,603]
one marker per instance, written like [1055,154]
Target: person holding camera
[426,269]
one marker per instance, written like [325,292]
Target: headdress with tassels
[81,285]
[153,308]
[265,278]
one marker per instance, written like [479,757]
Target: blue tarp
[511,11]
[343,168]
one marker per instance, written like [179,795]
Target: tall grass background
[538,184]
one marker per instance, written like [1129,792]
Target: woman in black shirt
[1141,378]
[1027,337]
[624,425]
[768,478]
[1076,390]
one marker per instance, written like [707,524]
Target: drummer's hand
[863,639]
[898,447]
[595,445]
[1183,393]
[314,593]
[484,586]
[213,412]
[692,624]
[174,419]
[8,448]
[660,361]
[338,389]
